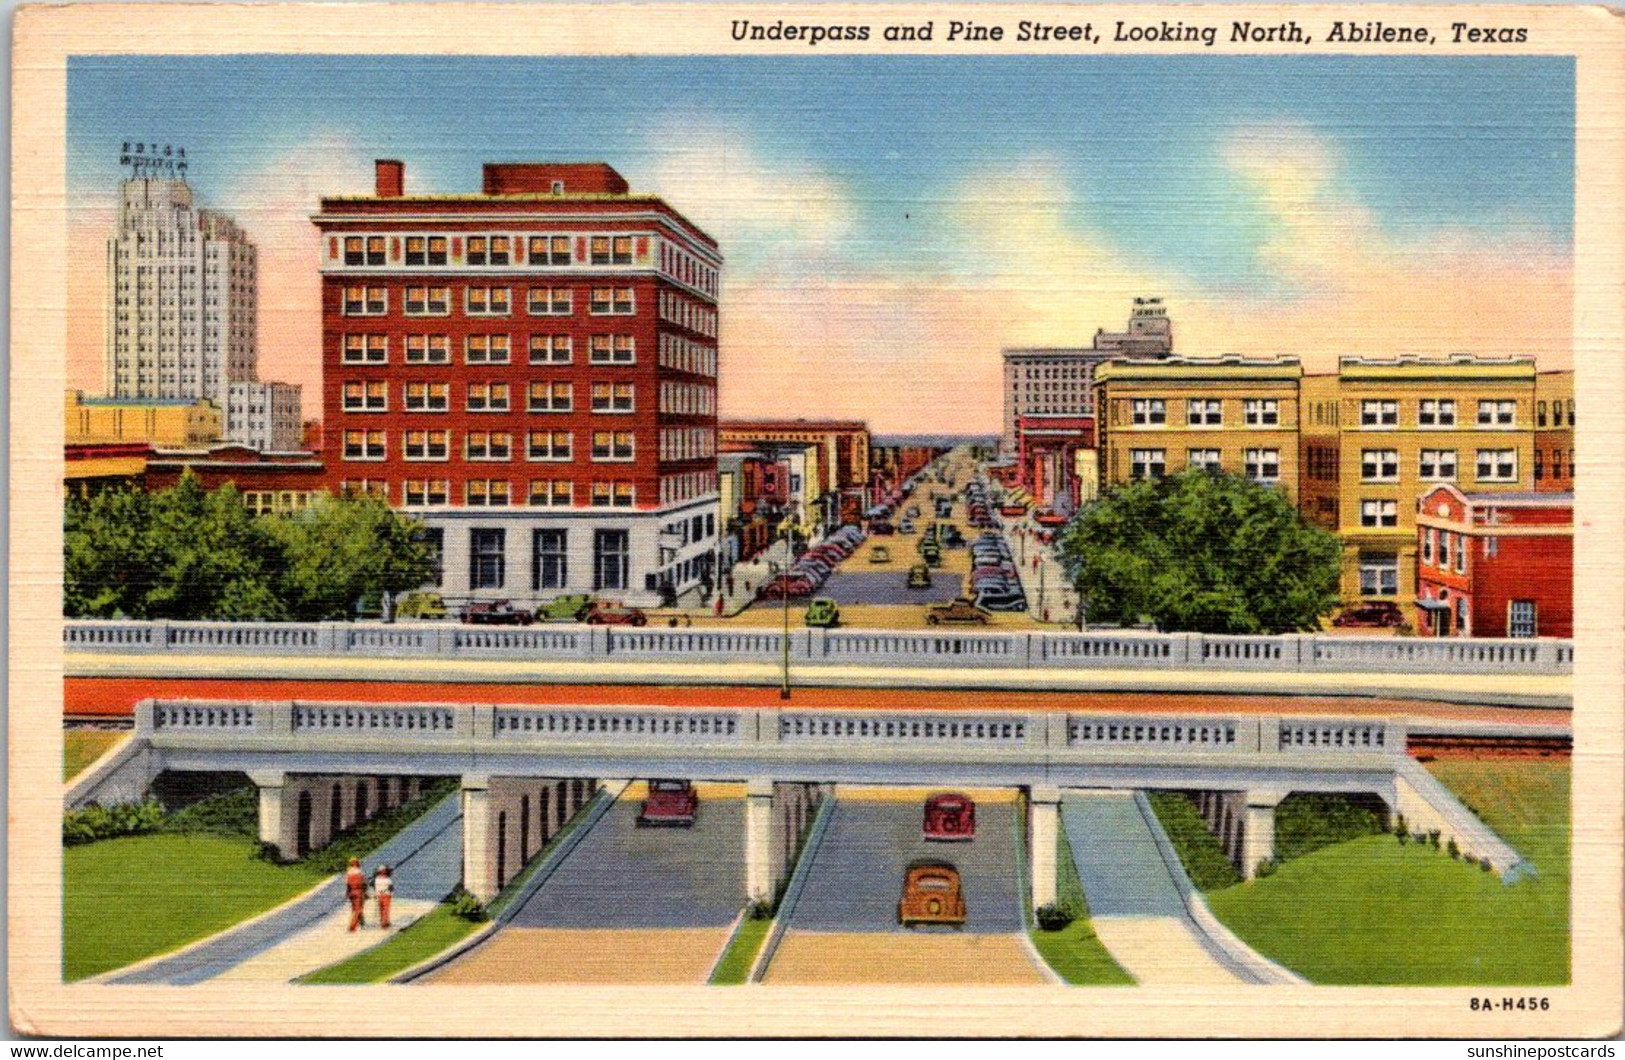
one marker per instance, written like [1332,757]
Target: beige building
[162,423]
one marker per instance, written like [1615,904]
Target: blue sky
[1143,161]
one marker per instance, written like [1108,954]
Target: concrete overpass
[1243,764]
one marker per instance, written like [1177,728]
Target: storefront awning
[1432,605]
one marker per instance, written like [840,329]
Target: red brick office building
[1495,564]
[533,371]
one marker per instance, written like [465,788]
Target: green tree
[1201,552]
[345,551]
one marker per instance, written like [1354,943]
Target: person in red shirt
[355,886]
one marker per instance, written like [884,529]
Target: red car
[793,586]
[950,817]
[609,613]
[496,613]
[1049,517]
[672,803]
[1376,613]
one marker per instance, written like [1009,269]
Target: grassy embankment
[1075,952]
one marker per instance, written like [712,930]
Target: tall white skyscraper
[182,293]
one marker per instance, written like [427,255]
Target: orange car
[931,895]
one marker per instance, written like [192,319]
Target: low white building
[264,416]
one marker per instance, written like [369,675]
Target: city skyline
[1314,206]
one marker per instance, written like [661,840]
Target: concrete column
[479,851]
[278,813]
[1044,817]
[760,878]
[1258,830]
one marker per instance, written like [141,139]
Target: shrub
[1433,839]
[1308,822]
[1484,863]
[1054,916]
[93,822]
[231,813]
[264,851]
[760,909]
[468,907]
[1266,868]
[1453,850]
[1399,827]
[1199,849]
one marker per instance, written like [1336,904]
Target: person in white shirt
[383,885]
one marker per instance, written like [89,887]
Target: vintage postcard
[676,520]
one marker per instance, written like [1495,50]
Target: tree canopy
[190,553]
[1203,552]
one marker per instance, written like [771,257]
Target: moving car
[959,612]
[949,817]
[919,576]
[571,607]
[881,528]
[906,526]
[1373,613]
[822,613]
[672,803]
[613,613]
[931,895]
[496,613]
[422,605]
[880,554]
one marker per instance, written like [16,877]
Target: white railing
[992,649]
[828,727]
[1163,734]
[653,725]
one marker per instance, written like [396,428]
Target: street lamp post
[784,595]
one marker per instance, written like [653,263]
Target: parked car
[1049,517]
[496,613]
[931,895]
[672,803]
[950,537]
[931,554]
[822,613]
[880,554]
[958,612]
[950,817]
[881,528]
[919,576]
[1014,511]
[906,526]
[1002,599]
[1372,613]
[791,585]
[913,511]
[613,613]
[422,605]
[571,607]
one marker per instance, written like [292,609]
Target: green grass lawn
[1370,911]
[81,747]
[129,899]
[734,967]
[1075,952]
[1199,850]
[422,939]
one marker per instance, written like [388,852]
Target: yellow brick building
[165,424]
[1236,414]
[1554,432]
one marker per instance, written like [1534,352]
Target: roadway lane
[888,587]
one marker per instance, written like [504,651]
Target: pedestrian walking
[383,885]
[719,605]
[730,585]
[355,887]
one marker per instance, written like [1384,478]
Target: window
[1149,412]
[1261,412]
[1540,413]
[366,349]
[1379,513]
[354,251]
[550,349]
[485,349]
[549,445]
[1147,463]
[1379,465]
[611,556]
[1205,459]
[366,397]
[613,349]
[552,559]
[621,250]
[1379,413]
[487,301]
[427,397]
[1492,545]
[550,250]
[428,301]
[1540,464]
[612,445]
[1429,540]
[612,494]
[486,561]
[488,445]
[487,250]
[1204,412]
[421,492]
[552,493]
[1570,404]
[549,302]
[551,397]
[488,397]
[1436,465]
[1497,413]
[363,445]
[1497,465]
[422,250]
[1521,618]
[1444,549]
[1379,574]
[600,250]
[485,493]
[426,445]
[1263,465]
[612,397]
[1557,463]
[428,349]
[611,301]
[1437,412]
[1461,554]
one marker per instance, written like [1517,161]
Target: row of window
[492,251]
[688,399]
[685,312]
[687,486]
[686,355]
[1561,410]
[1205,412]
[479,301]
[687,443]
[1558,468]
[686,268]
[1439,465]
[498,493]
[549,446]
[489,349]
[550,552]
[1439,546]
[1259,465]
[373,396]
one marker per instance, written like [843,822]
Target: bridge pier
[1043,826]
[1258,829]
[776,816]
[507,821]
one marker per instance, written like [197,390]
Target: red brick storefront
[1495,564]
